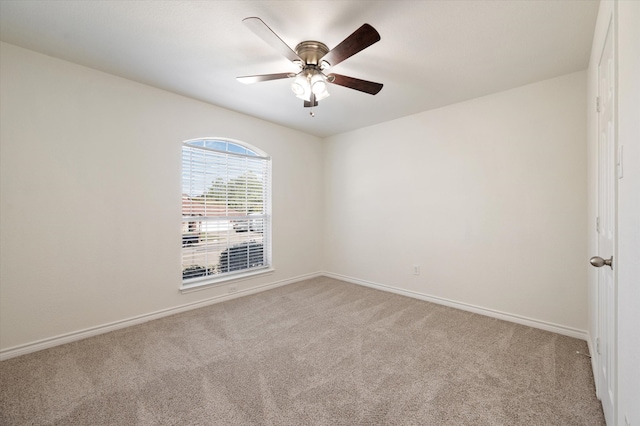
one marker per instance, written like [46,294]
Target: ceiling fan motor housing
[311,52]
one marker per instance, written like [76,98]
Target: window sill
[216,282]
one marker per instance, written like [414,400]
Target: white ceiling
[432,53]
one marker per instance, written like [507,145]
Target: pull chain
[311,113]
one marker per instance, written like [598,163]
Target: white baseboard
[543,325]
[116,325]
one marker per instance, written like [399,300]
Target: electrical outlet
[416,269]
[231,289]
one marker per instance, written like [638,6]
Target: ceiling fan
[314,58]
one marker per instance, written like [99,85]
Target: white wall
[488,197]
[628,42]
[90,196]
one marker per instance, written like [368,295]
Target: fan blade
[265,33]
[249,79]
[312,102]
[355,83]
[361,38]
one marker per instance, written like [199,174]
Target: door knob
[599,262]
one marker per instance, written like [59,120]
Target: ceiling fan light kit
[310,82]
[313,58]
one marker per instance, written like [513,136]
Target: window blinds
[225,211]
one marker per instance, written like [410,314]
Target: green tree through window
[244,193]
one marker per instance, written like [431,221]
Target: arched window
[226,226]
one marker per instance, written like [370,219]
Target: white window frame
[213,224]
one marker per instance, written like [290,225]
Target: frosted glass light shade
[307,82]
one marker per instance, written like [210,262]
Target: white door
[605,342]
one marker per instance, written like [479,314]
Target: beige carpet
[319,352]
